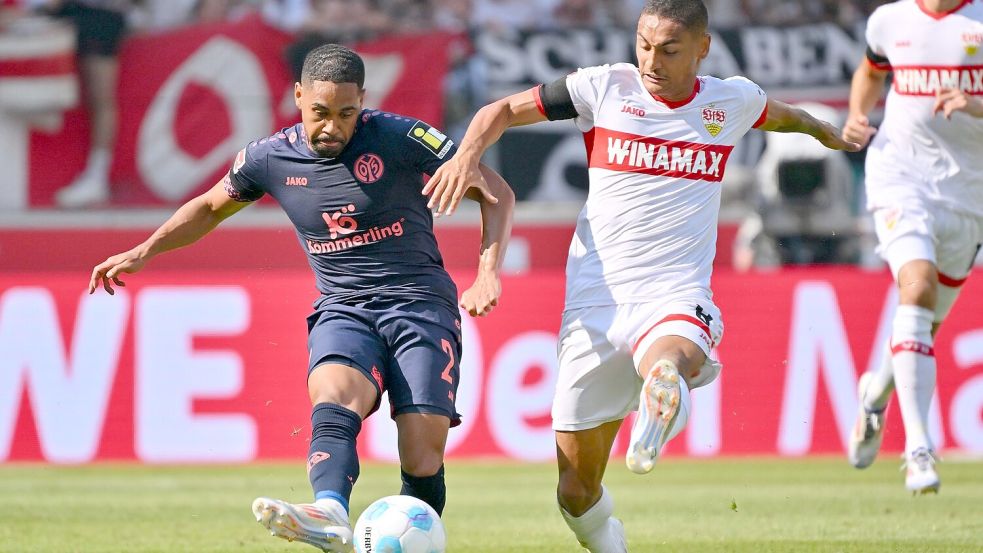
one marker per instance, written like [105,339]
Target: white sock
[879,389]
[334,507]
[914,371]
[595,529]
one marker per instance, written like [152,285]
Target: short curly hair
[333,63]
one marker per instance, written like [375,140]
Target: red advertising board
[210,366]
[190,98]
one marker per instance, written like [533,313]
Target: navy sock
[332,462]
[428,488]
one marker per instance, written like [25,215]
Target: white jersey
[918,156]
[649,227]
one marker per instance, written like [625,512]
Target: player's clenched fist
[857,129]
[482,297]
[110,269]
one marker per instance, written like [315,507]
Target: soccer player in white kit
[924,180]
[639,322]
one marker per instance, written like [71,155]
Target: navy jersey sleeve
[427,147]
[244,183]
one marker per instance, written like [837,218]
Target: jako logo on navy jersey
[633,110]
[296,181]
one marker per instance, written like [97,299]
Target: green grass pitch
[728,505]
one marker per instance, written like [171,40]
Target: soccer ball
[399,524]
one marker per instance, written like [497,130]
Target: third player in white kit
[639,322]
[924,180]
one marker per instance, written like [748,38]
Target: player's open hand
[451,181]
[107,273]
[857,130]
[482,297]
[951,100]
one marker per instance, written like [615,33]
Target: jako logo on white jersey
[618,151]
[926,81]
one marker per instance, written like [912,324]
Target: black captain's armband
[877,60]
[557,103]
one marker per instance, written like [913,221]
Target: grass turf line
[732,505]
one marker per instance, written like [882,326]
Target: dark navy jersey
[360,217]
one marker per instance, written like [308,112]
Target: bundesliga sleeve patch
[432,139]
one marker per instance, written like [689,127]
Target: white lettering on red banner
[179,368]
[172,374]
[619,151]
[511,405]
[927,81]
[967,403]
[68,393]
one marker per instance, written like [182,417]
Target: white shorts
[916,231]
[600,348]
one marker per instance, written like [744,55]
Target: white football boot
[325,528]
[920,475]
[658,407]
[868,430]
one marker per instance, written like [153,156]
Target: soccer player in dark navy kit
[387,316]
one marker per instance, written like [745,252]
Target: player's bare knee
[918,284]
[423,462]
[575,497]
[342,385]
[577,492]
[687,362]
[922,292]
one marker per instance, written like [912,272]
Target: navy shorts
[411,349]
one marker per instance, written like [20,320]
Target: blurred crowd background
[785,200]
[362,19]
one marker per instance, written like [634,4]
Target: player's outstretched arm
[866,88]
[190,222]
[951,100]
[496,227]
[454,178]
[785,118]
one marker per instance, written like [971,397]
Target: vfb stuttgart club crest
[972,42]
[713,119]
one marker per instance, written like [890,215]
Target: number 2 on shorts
[449,350]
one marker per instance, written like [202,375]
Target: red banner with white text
[190,98]
[210,367]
